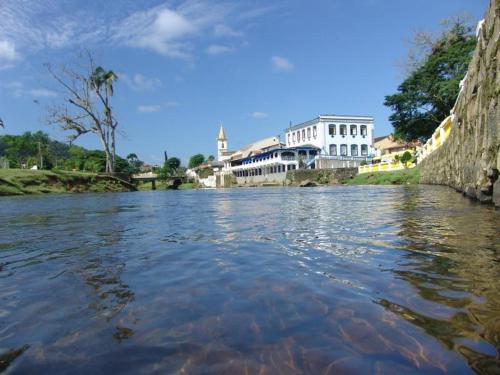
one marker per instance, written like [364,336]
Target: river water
[382,280]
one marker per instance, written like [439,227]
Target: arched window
[289,139]
[343,129]
[315,132]
[343,150]
[303,135]
[363,130]
[354,130]
[308,133]
[332,130]
[364,150]
[354,150]
[333,150]
[298,136]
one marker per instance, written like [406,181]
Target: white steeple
[221,144]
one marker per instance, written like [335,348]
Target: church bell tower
[221,144]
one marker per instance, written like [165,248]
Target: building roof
[222,135]
[256,148]
[388,142]
[327,117]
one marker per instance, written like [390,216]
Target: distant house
[387,147]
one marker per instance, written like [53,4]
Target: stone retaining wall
[469,161]
[319,176]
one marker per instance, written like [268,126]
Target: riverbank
[162,185]
[401,177]
[23,182]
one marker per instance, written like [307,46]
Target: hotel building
[343,141]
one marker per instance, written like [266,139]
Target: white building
[344,141]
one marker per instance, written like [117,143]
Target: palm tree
[98,80]
[1,124]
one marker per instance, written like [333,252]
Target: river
[382,280]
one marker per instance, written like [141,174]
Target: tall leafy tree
[196,160]
[427,95]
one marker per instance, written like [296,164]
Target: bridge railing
[147,175]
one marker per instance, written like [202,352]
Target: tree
[196,160]
[173,163]
[1,124]
[405,158]
[211,158]
[87,107]
[427,95]
[134,163]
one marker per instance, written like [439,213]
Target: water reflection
[385,280]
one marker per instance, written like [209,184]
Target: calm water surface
[382,280]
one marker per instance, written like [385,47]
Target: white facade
[336,136]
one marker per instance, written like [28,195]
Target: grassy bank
[22,181]
[402,177]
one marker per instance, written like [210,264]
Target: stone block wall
[469,161]
[319,176]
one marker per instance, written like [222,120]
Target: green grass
[23,181]
[402,177]
[187,186]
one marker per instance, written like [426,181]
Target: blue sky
[186,66]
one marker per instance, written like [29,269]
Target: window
[289,138]
[364,150]
[293,137]
[312,153]
[302,153]
[354,150]
[363,130]
[308,133]
[298,136]
[333,150]
[332,130]
[315,132]
[354,130]
[343,150]
[343,129]
[303,135]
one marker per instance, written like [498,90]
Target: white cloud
[259,115]
[18,89]
[138,82]
[221,30]
[281,64]
[8,51]
[158,30]
[171,29]
[42,93]
[172,103]
[149,108]
[217,49]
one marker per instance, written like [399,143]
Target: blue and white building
[343,141]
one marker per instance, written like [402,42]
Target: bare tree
[86,107]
